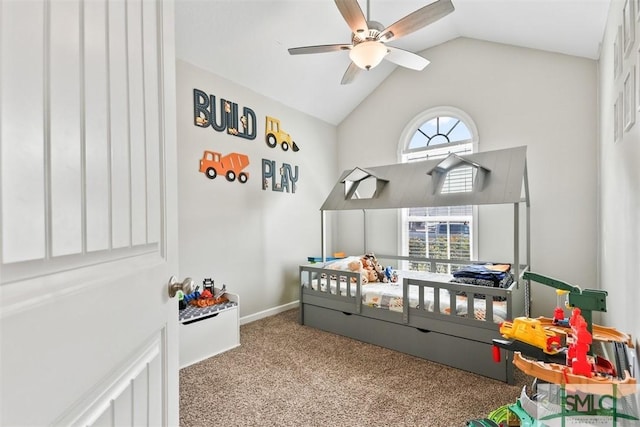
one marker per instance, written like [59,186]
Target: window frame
[409,130]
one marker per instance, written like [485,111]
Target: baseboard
[269,312]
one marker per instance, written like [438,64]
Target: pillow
[341,264]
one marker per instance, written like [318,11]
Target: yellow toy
[531,331]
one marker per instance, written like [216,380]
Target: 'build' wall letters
[206,114]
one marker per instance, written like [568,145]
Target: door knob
[187,286]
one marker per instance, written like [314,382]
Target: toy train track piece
[621,359]
[600,333]
[561,374]
[529,350]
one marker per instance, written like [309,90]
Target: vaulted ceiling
[246,41]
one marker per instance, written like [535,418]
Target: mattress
[389,296]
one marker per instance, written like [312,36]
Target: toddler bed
[429,315]
[423,314]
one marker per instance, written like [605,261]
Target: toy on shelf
[579,346]
[190,297]
[182,304]
[579,368]
[558,313]
[218,293]
[209,296]
[533,337]
[586,300]
[558,350]
[598,332]
[208,284]
[556,373]
[525,332]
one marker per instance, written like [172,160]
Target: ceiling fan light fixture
[368,54]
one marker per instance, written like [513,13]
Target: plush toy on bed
[390,274]
[367,265]
[356,266]
[375,271]
[372,275]
[380,273]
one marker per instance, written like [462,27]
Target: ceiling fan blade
[351,12]
[318,49]
[352,72]
[416,20]
[406,59]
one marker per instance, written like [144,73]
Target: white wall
[619,182]
[516,96]
[250,239]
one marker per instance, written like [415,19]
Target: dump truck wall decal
[230,166]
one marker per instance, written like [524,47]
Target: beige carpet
[285,374]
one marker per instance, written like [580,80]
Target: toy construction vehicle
[531,332]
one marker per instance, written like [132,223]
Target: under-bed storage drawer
[461,353]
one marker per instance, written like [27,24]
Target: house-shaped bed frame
[464,342]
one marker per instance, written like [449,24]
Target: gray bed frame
[460,342]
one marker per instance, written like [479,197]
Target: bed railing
[317,289]
[472,294]
[316,282]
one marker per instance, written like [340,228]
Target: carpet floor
[286,374]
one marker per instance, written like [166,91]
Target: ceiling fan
[368,38]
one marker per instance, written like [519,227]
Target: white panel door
[88,227]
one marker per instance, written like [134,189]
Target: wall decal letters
[206,113]
[288,177]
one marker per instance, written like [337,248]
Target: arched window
[439,232]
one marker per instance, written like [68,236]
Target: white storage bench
[207,331]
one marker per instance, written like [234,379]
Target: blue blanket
[491,272]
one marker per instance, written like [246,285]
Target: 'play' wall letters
[288,177]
